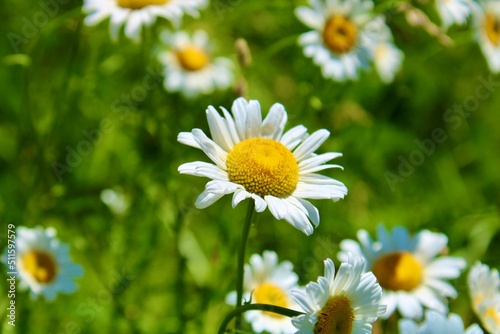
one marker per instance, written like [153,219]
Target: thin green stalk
[263,307]
[241,258]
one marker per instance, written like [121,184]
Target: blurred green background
[163,266]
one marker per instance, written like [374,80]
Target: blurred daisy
[338,43]
[137,13]
[255,159]
[116,200]
[407,270]
[344,303]
[437,323]
[487,25]
[385,54]
[484,289]
[267,282]
[453,11]
[43,263]
[188,67]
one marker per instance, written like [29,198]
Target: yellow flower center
[41,266]
[492,28]
[192,58]
[494,314]
[336,317]
[269,293]
[398,271]
[138,4]
[340,34]
[263,166]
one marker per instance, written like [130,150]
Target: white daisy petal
[277,206]
[205,199]
[310,17]
[254,119]
[446,267]
[409,306]
[294,136]
[219,130]
[318,160]
[211,149]
[260,203]
[298,219]
[136,15]
[221,187]
[231,126]
[274,123]
[239,109]
[311,211]
[240,195]
[321,191]
[309,170]
[133,26]
[203,169]
[310,145]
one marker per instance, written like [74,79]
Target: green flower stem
[263,307]
[241,258]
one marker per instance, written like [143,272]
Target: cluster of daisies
[347,36]
[397,273]
[255,158]
[187,59]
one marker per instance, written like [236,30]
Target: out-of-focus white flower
[135,14]
[116,201]
[437,323]
[454,11]
[339,43]
[386,55]
[189,67]
[487,26]
[268,282]
[407,268]
[484,289]
[43,263]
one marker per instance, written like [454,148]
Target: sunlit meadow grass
[163,266]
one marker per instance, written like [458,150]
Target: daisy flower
[344,303]
[43,263]
[453,11]
[188,66]
[338,43]
[437,323]
[254,159]
[484,289]
[487,25]
[267,282]
[385,54]
[407,268]
[134,14]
